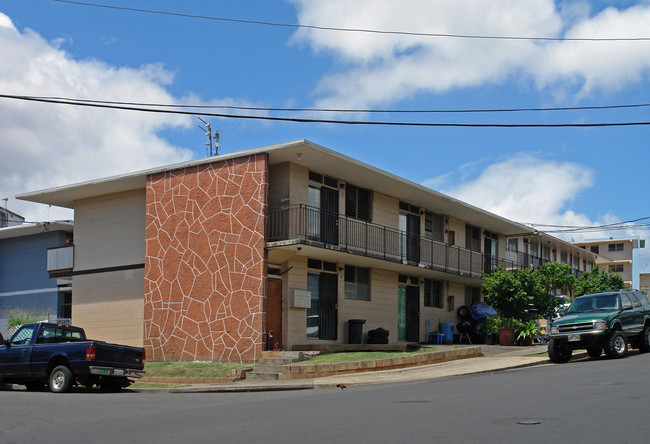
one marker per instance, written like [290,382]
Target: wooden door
[274,311]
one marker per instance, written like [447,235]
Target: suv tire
[559,351]
[594,352]
[644,340]
[615,346]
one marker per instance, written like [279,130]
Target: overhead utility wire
[400,111]
[341,122]
[372,31]
[590,226]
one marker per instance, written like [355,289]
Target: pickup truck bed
[60,357]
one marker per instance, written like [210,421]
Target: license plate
[118,371]
[574,338]
[102,371]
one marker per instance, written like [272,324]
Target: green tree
[557,276]
[505,293]
[595,281]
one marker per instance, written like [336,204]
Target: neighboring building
[200,260]
[620,255]
[24,279]
[644,284]
[9,218]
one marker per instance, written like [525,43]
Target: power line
[360,30]
[625,225]
[78,102]
[352,110]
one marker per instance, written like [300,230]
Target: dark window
[358,203]
[595,249]
[472,238]
[434,226]
[433,293]
[615,247]
[357,283]
[616,268]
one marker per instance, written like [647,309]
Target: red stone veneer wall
[204,261]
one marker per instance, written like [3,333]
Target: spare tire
[464,313]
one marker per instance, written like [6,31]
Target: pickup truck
[60,357]
[602,321]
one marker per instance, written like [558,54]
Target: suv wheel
[594,352]
[616,345]
[644,340]
[559,351]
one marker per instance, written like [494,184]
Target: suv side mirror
[7,343]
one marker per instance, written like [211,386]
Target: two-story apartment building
[620,255]
[202,260]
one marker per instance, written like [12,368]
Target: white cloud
[530,190]
[526,189]
[382,68]
[45,145]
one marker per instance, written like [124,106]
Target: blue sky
[563,176]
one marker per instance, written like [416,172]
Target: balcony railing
[308,225]
[60,260]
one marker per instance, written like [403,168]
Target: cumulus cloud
[47,145]
[531,190]
[383,68]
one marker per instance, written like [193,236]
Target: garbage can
[355,330]
[447,329]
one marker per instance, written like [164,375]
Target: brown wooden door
[274,310]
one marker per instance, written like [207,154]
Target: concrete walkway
[494,358]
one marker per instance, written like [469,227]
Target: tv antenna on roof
[213,139]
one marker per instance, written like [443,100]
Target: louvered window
[358,203]
[357,283]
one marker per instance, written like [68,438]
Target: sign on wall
[301,298]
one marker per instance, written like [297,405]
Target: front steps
[269,367]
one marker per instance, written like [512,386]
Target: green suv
[602,321]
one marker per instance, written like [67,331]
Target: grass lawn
[189,369]
[361,356]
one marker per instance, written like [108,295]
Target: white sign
[301,298]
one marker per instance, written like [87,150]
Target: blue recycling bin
[447,329]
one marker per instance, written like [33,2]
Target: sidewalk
[494,358]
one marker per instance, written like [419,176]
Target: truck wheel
[644,340]
[60,380]
[615,345]
[559,351]
[594,352]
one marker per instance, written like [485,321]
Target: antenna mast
[211,138]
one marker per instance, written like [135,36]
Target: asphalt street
[583,401]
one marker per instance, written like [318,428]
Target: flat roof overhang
[313,156]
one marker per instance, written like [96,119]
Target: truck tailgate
[119,355]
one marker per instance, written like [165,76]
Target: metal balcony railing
[308,225]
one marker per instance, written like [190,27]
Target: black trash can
[355,330]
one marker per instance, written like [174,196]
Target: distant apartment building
[620,255]
[26,252]
[207,259]
[9,218]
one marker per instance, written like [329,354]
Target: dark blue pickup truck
[60,357]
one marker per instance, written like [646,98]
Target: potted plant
[507,331]
[490,328]
[525,332]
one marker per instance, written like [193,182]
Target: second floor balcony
[311,226]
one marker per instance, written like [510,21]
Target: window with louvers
[358,203]
[357,283]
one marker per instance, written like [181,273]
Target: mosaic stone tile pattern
[205,263]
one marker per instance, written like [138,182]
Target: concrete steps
[269,367]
